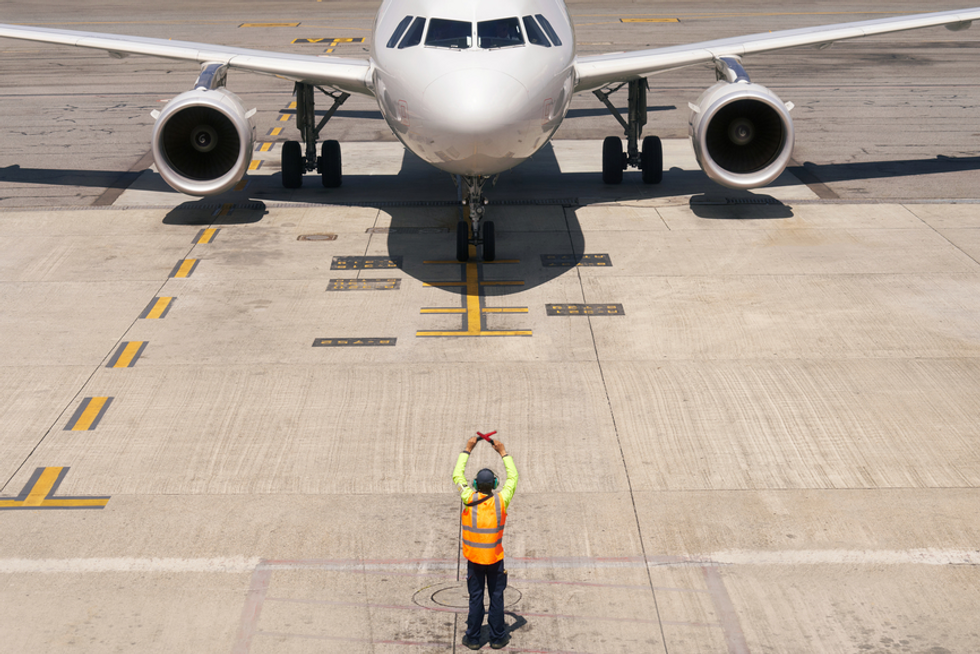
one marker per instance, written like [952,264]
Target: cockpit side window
[402,26]
[444,33]
[534,34]
[552,34]
[414,35]
[500,33]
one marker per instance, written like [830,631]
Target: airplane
[475,88]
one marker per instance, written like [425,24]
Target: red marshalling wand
[486,437]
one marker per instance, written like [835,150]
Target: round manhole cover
[454,595]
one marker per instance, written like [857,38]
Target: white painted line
[241,564]
[930,556]
[234,565]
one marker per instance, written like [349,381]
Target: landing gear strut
[294,162]
[478,232]
[649,159]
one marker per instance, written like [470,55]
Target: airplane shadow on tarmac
[526,233]
[532,206]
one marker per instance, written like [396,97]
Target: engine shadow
[207,212]
[757,207]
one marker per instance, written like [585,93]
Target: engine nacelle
[202,141]
[742,134]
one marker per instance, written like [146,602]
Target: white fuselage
[473,104]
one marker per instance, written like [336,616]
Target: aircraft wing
[596,71]
[351,75]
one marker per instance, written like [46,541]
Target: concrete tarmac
[229,424]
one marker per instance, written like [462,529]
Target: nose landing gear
[478,232]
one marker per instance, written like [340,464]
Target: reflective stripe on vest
[483,531]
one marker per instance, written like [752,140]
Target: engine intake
[202,141]
[742,134]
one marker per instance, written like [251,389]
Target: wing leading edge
[351,75]
[595,71]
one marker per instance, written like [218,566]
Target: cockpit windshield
[445,33]
[500,33]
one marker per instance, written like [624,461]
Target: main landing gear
[649,159]
[294,162]
[477,232]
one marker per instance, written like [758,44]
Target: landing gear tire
[489,242]
[293,164]
[462,241]
[612,160]
[652,160]
[331,166]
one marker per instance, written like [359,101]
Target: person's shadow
[519,623]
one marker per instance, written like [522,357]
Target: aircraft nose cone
[476,102]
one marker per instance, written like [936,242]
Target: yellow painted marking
[472,299]
[185,268]
[328,51]
[265,147]
[255,165]
[90,414]
[284,118]
[525,333]
[275,131]
[292,105]
[226,208]
[128,353]
[38,495]
[459,284]
[207,236]
[43,486]
[158,308]
[269,25]
[438,262]
[472,307]
[242,185]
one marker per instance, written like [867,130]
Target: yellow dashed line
[90,411]
[159,308]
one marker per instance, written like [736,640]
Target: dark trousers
[494,577]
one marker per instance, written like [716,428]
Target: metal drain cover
[454,595]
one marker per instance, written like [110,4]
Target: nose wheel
[478,232]
[464,240]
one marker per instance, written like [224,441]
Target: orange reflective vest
[483,528]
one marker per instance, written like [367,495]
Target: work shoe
[472,644]
[500,644]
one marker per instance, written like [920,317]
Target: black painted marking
[355,342]
[365,263]
[364,284]
[407,230]
[569,260]
[585,310]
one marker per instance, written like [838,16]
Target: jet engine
[742,134]
[202,141]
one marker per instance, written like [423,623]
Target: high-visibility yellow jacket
[484,516]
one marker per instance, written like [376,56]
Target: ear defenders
[483,478]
